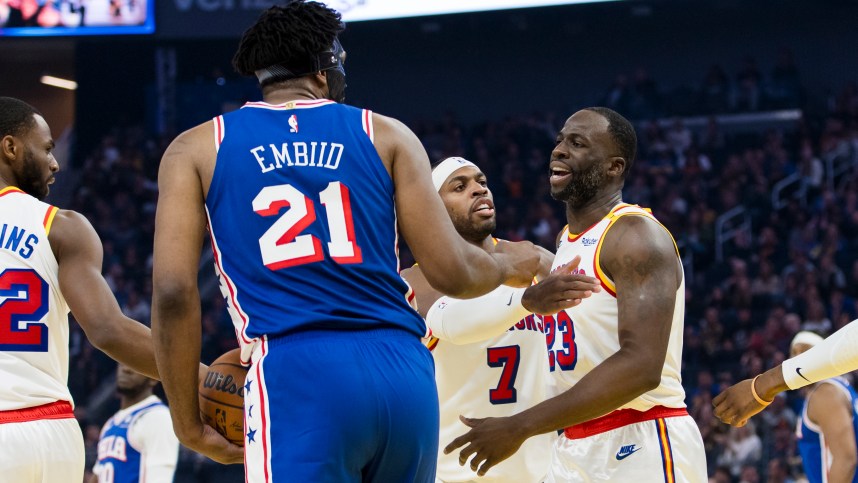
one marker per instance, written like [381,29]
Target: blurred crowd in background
[783,260]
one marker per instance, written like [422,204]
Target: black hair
[623,134]
[290,35]
[16,117]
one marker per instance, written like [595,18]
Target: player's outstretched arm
[79,255]
[836,355]
[481,318]
[180,224]
[640,258]
[449,263]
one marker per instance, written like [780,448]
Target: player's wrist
[770,383]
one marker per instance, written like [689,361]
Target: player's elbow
[171,298]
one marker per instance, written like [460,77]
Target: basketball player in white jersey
[50,264]
[489,352]
[137,444]
[616,356]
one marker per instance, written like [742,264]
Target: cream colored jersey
[34,326]
[496,377]
[582,337]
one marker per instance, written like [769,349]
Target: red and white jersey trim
[219,131]
[290,104]
[366,123]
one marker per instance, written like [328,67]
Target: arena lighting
[357,10]
[59,82]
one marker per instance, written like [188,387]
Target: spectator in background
[743,448]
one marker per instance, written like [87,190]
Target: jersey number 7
[508,358]
[282,246]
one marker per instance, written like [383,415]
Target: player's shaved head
[16,117]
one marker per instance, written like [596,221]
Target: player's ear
[617,167]
[320,79]
[9,146]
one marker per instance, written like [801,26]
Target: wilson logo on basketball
[223,383]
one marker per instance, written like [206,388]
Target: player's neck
[583,217]
[286,94]
[126,401]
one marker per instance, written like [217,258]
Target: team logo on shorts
[626,451]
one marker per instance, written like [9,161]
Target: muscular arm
[829,408]
[449,263]
[79,255]
[179,232]
[472,320]
[639,256]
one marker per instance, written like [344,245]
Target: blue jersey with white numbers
[302,220]
[118,461]
[815,455]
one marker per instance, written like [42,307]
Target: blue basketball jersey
[815,456]
[303,224]
[118,461]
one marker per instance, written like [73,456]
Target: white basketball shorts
[667,449]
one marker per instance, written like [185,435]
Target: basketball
[222,396]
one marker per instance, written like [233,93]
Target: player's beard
[582,187]
[474,231]
[31,181]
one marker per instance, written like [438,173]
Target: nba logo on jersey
[293,123]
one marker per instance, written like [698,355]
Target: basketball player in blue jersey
[303,198]
[137,444]
[828,425]
[50,264]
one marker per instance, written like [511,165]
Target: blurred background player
[616,357]
[50,264]
[314,290]
[490,355]
[137,444]
[828,426]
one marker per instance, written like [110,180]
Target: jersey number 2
[24,296]
[282,246]
[506,357]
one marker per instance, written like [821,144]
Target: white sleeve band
[834,356]
[472,320]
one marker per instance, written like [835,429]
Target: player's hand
[205,440]
[490,441]
[521,261]
[736,404]
[560,290]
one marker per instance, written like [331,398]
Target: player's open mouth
[484,207]
[559,173]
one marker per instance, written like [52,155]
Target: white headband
[806,337]
[446,168]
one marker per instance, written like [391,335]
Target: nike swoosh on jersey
[625,453]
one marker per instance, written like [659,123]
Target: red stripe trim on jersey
[366,121]
[54,410]
[260,382]
[10,189]
[49,218]
[232,290]
[432,344]
[620,418]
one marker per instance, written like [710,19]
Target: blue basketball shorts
[328,406]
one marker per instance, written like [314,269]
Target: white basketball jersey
[34,327]
[582,337]
[497,377]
